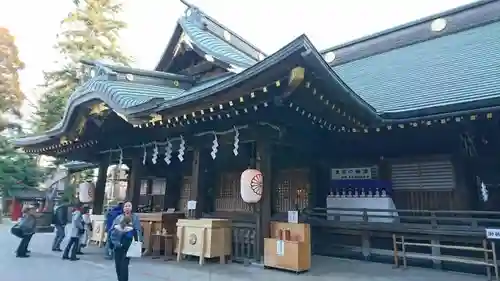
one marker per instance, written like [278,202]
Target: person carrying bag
[126,237]
[25,229]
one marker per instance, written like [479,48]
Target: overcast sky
[268,24]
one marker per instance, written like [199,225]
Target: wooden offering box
[204,238]
[99,235]
[289,247]
[155,223]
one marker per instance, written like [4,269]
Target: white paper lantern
[251,186]
[86,192]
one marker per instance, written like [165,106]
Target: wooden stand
[295,252]
[204,238]
[98,230]
[154,223]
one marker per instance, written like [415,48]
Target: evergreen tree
[11,96]
[90,31]
[17,169]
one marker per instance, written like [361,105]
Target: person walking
[25,230]
[110,218]
[60,220]
[77,229]
[126,227]
[87,226]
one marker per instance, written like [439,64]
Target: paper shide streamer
[182,148]
[154,157]
[236,141]
[215,145]
[168,153]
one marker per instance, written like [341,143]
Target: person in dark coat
[25,230]
[60,220]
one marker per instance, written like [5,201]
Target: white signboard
[191,205]
[293,216]
[352,173]
[492,233]
[280,248]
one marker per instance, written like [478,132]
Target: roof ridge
[139,71]
[222,26]
[413,23]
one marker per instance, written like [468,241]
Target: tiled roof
[26,193]
[449,70]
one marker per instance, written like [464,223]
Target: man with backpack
[60,220]
[110,218]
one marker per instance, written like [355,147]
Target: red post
[16,210]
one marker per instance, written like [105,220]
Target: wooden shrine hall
[404,121]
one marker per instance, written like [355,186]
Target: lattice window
[159,186]
[144,187]
[185,193]
[292,190]
[228,198]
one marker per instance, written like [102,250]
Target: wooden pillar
[100,188]
[174,186]
[134,188]
[198,185]
[263,164]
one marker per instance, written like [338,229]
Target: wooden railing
[398,219]
[368,233]
[244,246]
[244,234]
[489,254]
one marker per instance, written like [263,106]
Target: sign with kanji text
[492,233]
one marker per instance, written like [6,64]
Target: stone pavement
[45,265]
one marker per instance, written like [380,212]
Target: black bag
[17,231]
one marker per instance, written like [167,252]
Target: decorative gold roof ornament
[98,109]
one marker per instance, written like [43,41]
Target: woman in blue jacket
[126,227]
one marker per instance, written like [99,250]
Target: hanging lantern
[251,185]
[86,192]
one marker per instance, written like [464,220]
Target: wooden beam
[174,186]
[136,171]
[264,164]
[100,187]
[200,68]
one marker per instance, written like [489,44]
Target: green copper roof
[210,44]
[449,70]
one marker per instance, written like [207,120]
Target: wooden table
[153,223]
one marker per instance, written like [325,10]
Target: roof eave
[72,108]
[315,61]
[443,111]
[297,46]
